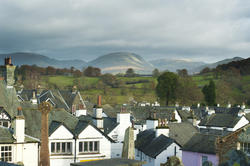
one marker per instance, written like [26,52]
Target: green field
[90,87]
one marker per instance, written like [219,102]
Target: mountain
[22,58]
[214,65]
[243,66]
[173,65]
[119,62]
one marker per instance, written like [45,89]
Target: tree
[188,92]
[130,72]
[156,73]
[209,93]
[167,86]
[182,72]
[92,71]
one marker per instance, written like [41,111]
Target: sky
[199,30]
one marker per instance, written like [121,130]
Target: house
[86,142]
[221,123]
[155,146]
[15,145]
[236,140]
[200,148]
[71,101]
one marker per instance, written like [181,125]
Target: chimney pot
[99,101]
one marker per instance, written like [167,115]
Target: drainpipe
[75,151]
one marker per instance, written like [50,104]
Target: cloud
[207,30]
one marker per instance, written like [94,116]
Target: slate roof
[56,98]
[201,143]
[33,120]
[151,145]
[8,99]
[220,120]
[6,135]
[7,164]
[158,145]
[144,138]
[27,94]
[142,113]
[109,124]
[182,132]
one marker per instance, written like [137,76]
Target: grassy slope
[122,95]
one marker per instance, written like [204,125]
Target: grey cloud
[209,29]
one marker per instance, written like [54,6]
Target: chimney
[198,105]
[192,118]
[162,128]
[152,122]
[229,105]
[99,101]
[19,126]
[98,119]
[8,61]
[8,72]
[243,106]
[34,99]
[218,105]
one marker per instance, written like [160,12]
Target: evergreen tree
[167,87]
[209,93]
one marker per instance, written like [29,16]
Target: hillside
[243,66]
[173,65]
[119,62]
[214,65]
[22,58]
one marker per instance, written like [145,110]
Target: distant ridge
[214,65]
[22,58]
[173,65]
[119,62]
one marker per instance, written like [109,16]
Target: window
[4,123]
[245,147]
[6,153]
[203,159]
[61,148]
[89,147]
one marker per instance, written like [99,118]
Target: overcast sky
[206,30]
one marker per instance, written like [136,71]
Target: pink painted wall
[195,159]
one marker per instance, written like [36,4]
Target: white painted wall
[151,124]
[81,112]
[62,134]
[31,154]
[242,122]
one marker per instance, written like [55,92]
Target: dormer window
[51,102]
[4,118]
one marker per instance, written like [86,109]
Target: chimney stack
[99,101]
[19,126]
[98,119]
[162,128]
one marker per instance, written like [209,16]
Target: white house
[155,146]
[18,147]
[222,122]
[86,142]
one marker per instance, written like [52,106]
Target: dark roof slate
[201,143]
[182,132]
[157,145]
[220,120]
